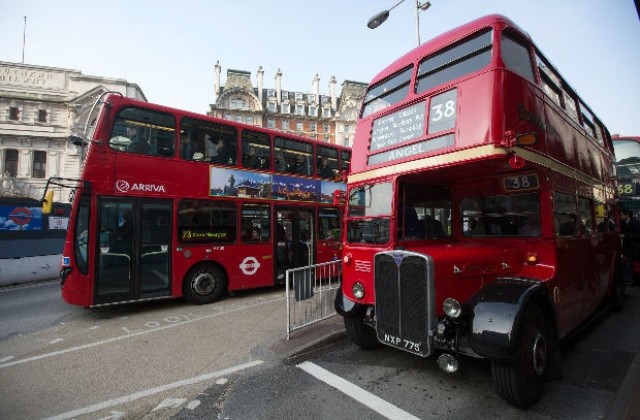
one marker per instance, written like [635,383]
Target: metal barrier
[310,293]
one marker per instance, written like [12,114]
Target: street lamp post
[379,19]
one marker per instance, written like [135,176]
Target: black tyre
[520,380]
[204,284]
[618,291]
[360,333]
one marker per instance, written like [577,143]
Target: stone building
[39,108]
[322,116]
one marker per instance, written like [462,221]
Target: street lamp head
[378,19]
[424,6]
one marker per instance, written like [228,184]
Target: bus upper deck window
[463,58]
[388,92]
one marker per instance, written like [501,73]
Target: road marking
[192,405]
[170,403]
[134,334]
[6,359]
[366,398]
[146,393]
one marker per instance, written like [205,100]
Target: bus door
[294,239]
[133,250]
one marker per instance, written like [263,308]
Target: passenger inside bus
[252,235]
[300,166]
[223,153]
[324,170]
[252,160]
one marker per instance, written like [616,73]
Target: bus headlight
[452,308]
[358,290]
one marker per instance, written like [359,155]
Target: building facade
[40,107]
[322,116]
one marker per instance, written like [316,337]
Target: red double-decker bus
[172,203]
[627,152]
[478,180]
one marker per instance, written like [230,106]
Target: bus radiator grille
[404,300]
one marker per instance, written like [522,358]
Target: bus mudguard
[344,306]
[496,314]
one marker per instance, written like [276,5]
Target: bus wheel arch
[204,283]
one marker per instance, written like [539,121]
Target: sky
[169,48]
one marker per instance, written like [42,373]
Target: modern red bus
[171,203]
[477,183]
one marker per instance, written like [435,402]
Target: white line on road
[133,334]
[366,398]
[142,394]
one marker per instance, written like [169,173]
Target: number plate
[415,347]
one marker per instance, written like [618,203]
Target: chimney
[279,86]
[332,93]
[216,81]
[316,86]
[260,74]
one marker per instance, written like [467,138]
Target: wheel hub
[539,354]
[203,284]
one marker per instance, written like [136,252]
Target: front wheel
[520,380]
[204,284]
[359,332]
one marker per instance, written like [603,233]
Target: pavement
[316,337]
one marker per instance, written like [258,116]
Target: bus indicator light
[528,139]
[532,258]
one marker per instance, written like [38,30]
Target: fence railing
[310,292]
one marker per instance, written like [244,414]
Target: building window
[312,98]
[238,103]
[284,95]
[271,106]
[286,108]
[313,111]
[326,128]
[299,109]
[326,112]
[11,162]
[249,120]
[39,164]
[346,129]
[228,116]
[285,124]
[298,96]
[14,113]
[313,126]
[42,115]
[271,123]
[271,93]
[300,126]
[327,138]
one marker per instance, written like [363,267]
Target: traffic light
[47,203]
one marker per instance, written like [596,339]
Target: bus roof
[445,39]
[115,97]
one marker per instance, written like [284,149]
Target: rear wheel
[618,290]
[359,332]
[204,284]
[520,380]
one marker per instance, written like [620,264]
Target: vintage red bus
[477,184]
[171,203]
